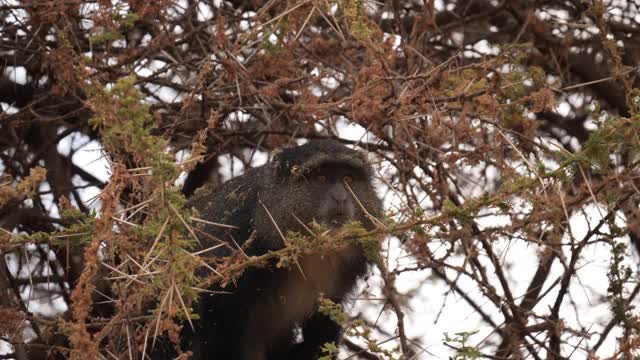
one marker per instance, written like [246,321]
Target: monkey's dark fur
[258,318]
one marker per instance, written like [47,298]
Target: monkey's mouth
[338,220]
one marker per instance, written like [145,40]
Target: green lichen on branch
[356,16]
[369,242]
[121,20]
[324,240]
[463,350]
[78,231]
[354,328]
[25,188]
[613,135]
[126,127]
[161,233]
[619,276]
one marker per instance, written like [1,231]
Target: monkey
[271,313]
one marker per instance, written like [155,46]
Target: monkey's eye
[347,180]
[322,178]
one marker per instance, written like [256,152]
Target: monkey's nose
[339,200]
[341,204]
[339,194]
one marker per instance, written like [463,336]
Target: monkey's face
[333,185]
[331,194]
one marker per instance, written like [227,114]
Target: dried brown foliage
[505,135]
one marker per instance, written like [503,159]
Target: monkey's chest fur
[260,318]
[293,294]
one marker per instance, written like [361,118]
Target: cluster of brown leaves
[460,106]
